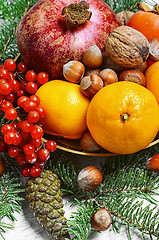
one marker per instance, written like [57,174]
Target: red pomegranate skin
[46,43]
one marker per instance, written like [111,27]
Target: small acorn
[101,220]
[89,178]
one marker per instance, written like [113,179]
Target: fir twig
[11,12]
[9,200]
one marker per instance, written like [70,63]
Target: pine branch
[11,12]
[80,225]
[9,200]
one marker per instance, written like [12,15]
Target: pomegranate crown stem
[77,14]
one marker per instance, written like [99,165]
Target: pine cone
[45,199]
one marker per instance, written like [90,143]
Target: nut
[101,220]
[124,16]
[92,57]
[154,49]
[90,71]
[73,71]
[142,68]
[109,63]
[127,47]
[133,76]
[89,178]
[153,163]
[108,76]
[88,144]
[90,85]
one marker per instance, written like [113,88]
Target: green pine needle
[10,201]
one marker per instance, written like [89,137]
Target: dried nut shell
[127,46]
[154,49]
[124,17]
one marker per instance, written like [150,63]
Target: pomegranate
[55,31]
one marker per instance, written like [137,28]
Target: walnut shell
[127,47]
[124,16]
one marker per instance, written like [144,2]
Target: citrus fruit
[123,117]
[152,79]
[65,108]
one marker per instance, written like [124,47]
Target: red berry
[51,145]
[22,67]
[29,106]
[6,105]
[18,139]
[35,171]
[14,85]
[7,128]
[9,138]
[10,65]
[31,158]
[31,87]
[35,98]
[26,126]
[30,76]
[13,151]
[21,101]
[33,116]
[41,111]
[42,77]
[11,76]
[5,88]
[44,154]
[23,84]
[1,97]
[4,74]
[20,93]
[25,172]
[28,149]
[37,132]
[25,137]
[10,97]
[11,114]
[21,159]
[2,146]
[36,142]
[39,163]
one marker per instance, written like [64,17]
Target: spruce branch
[10,200]
[11,13]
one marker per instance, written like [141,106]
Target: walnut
[124,16]
[127,47]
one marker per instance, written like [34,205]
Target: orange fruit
[65,108]
[123,117]
[152,79]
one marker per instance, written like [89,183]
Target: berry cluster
[22,136]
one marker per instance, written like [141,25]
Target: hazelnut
[90,71]
[109,63]
[92,57]
[90,85]
[133,76]
[2,166]
[153,163]
[142,67]
[101,220]
[88,144]
[154,49]
[89,178]
[108,76]
[73,71]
